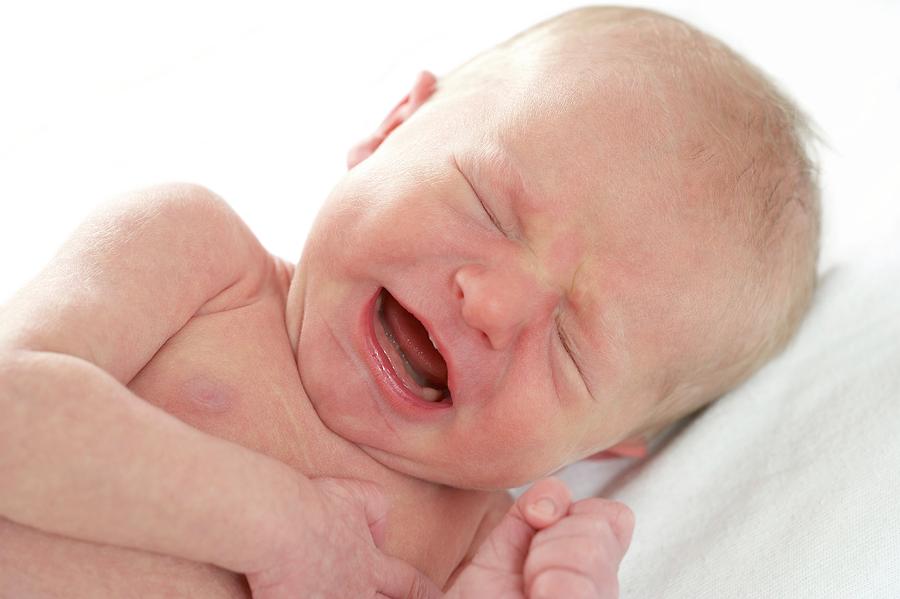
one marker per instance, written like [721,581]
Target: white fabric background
[786,488]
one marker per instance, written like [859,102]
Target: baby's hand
[549,547]
[335,550]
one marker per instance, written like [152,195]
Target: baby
[556,250]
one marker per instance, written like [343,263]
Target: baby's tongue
[413,340]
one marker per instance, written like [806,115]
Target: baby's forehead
[626,65]
[614,159]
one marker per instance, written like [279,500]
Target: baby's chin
[479,476]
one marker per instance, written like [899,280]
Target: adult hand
[336,552]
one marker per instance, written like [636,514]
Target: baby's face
[549,258]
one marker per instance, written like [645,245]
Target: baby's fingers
[618,515]
[579,556]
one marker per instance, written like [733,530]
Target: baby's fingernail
[543,508]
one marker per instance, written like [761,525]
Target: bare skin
[229,371]
[573,273]
[209,375]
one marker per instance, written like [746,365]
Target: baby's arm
[82,456]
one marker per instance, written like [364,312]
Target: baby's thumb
[544,503]
[371,500]
[399,580]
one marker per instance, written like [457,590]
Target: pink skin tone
[545,547]
[408,219]
[522,211]
[155,483]
[593,259]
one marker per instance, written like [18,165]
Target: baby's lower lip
[395,389]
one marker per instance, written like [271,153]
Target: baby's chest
[233,374]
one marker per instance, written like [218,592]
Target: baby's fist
[579,555]
[547,547]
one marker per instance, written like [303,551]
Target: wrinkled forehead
[572,120]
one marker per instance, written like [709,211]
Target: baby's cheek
[520,446]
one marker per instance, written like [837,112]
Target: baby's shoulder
[193,221]
[133,274]
[192,226]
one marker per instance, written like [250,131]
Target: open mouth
[414,357]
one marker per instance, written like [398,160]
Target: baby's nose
[499,302]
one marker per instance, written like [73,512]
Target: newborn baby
[556,250]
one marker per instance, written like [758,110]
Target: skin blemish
[205,395]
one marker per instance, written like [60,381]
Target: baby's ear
[635,447]
[420,92]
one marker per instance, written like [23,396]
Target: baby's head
[603,224]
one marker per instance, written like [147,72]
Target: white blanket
[788,487]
